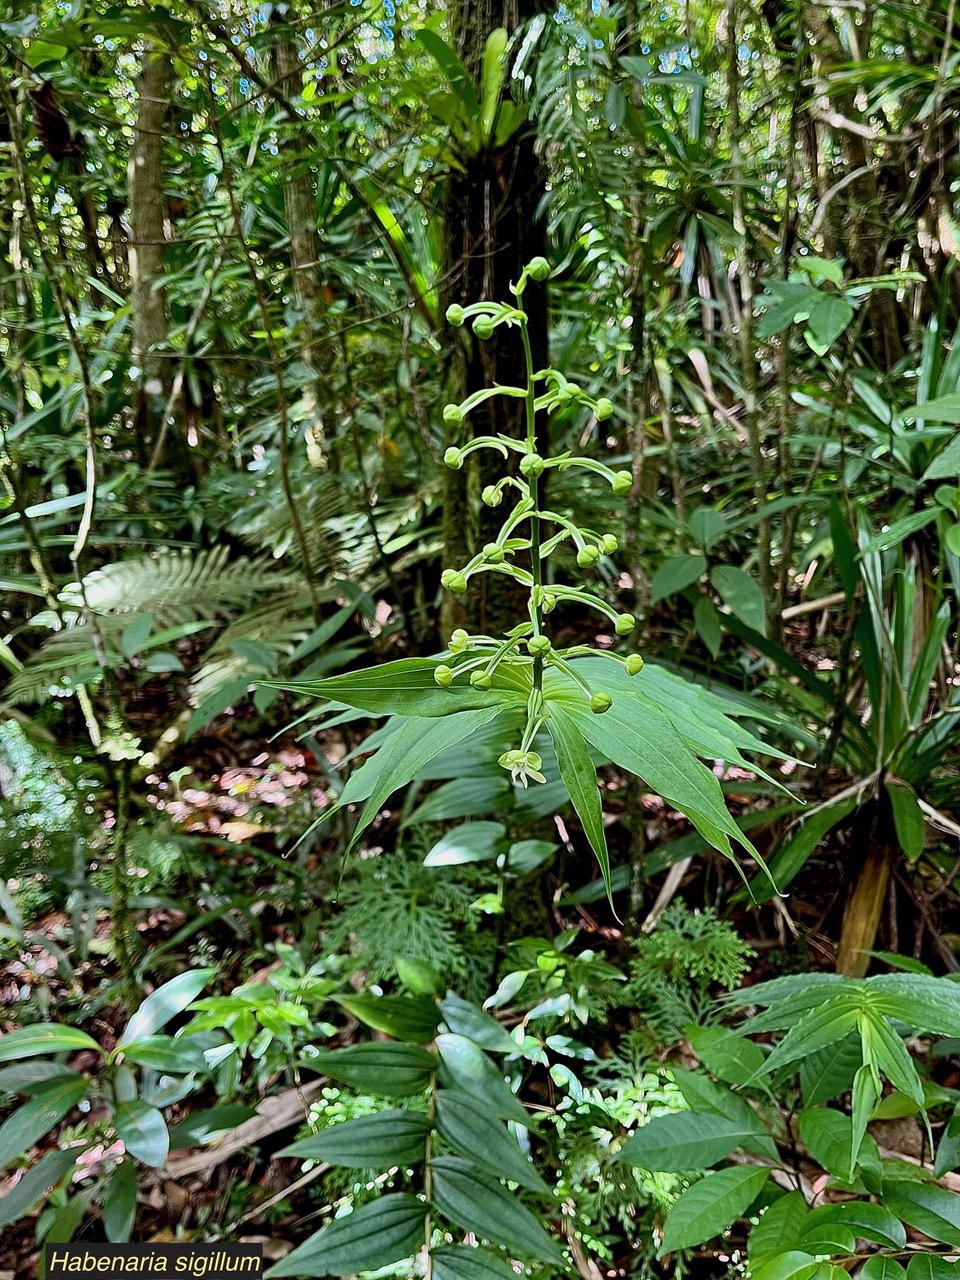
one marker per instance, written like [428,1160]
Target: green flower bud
[538,269]
[491,495]
[633,664]
[458,641]
[608,544]
[601,702]
[625,624]
[548,603]
[443,676]
[453,458]
[483,327]
[480,680]
[604,409]
[531,464]
[454,581]
[452,415]
[562,395]
[455,315]
[493,553]
[622,482]
[539,646]
[587,556]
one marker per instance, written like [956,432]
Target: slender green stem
[534,481]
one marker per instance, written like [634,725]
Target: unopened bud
[455,315]
[453,458]
[452,415]
[604,408]
[633,664]
[622,482]
[483,327]
[531,464]
[458,641]
[454,581]
[539,646]
[608,544]
[491,495]
[443,676]
[625,624]
[538,269]
[587,556]
[480,680]
[493,553]
[601,702]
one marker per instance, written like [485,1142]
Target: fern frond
[251,644]
[175,587]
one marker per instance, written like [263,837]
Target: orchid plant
[564,706]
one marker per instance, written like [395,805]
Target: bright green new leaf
[466,1019]
[470,842]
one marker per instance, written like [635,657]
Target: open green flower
[523,765]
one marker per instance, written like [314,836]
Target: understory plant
[574,701]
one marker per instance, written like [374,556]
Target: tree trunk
[150,337]
[492,231]
[300,209]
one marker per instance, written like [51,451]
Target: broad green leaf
[706,527]
[470,842]
[826,1074]
[370,1142]
[706,619]
[163,1004]
[465,1263]
[866,1091]
[208,1124]
[464,1066]
[385,1070]
[833,1020]
[928,1004]
[685,1141]
[908,817]
[44,1037]
[867,1221]
[165,1053]
[580,779]
[946,465]
[525,856]
[932,1210]
[700,1093]
[930,1266]
[453,69]
[779,1227]
[120,1202]
[794,1264]
[407,688]
[710,1206]
[382,1232]
[36,1184]
[466,1019]
[468,1126]
[473,1201]
[941,409]
[827,320]
[405,751]
[143,1131]
[676,574]
[411,1018]
[45,1109]
[732,1058]
[32,1076]
[827,1135]
[741,595]
[879,1267]
[420,978]
[883,1047]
